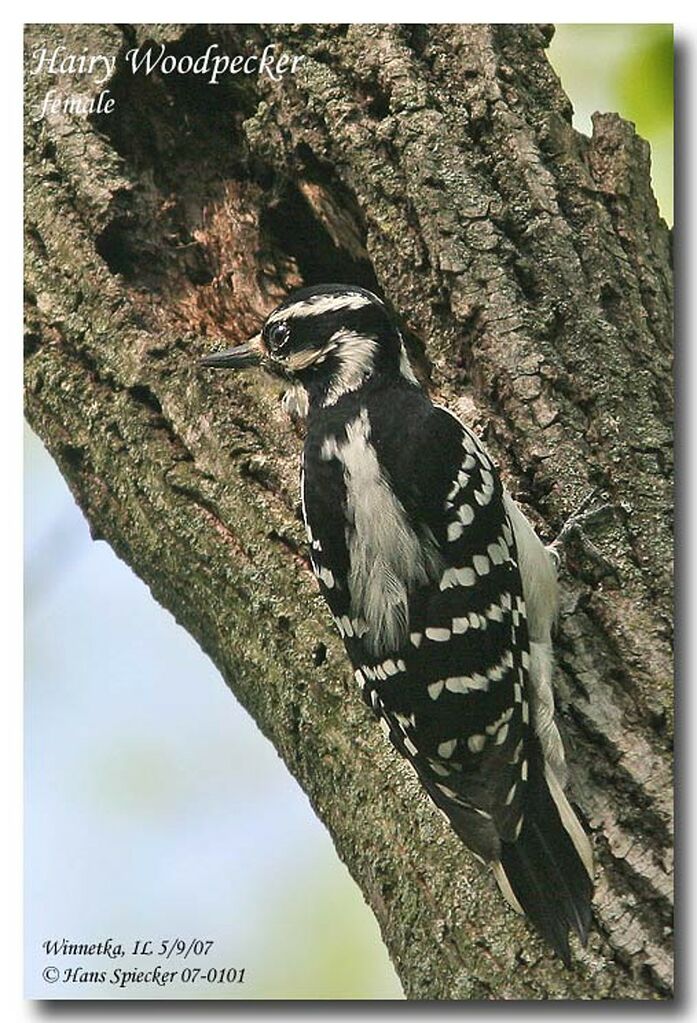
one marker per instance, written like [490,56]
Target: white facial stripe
[301,360]
[356,355]
[319,304]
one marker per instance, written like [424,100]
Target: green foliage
[627,69]
[644,79]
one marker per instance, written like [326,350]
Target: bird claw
[573,531]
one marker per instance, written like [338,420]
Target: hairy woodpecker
[442,592]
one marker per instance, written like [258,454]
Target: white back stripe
[388,560]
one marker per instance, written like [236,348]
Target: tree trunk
[436,164]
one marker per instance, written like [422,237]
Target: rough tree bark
[531,270]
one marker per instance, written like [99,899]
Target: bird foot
[574,532]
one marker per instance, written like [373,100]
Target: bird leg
[574,531]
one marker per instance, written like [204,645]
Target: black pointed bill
[241,357]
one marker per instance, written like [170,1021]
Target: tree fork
[532,274]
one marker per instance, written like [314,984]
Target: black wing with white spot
[466,655]
[453,690]
[418,518]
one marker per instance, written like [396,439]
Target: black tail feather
[545,870]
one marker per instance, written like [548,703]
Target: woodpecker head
[331,339]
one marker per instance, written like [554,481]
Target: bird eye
[278,334]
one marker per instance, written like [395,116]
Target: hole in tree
[291,225]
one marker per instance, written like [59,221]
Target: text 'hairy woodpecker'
[442,592]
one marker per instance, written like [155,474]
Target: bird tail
[547,873]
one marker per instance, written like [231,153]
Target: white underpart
[388,560]
[356,355]
[540,591]
[320,304]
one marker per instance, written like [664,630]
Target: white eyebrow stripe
[321,304]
